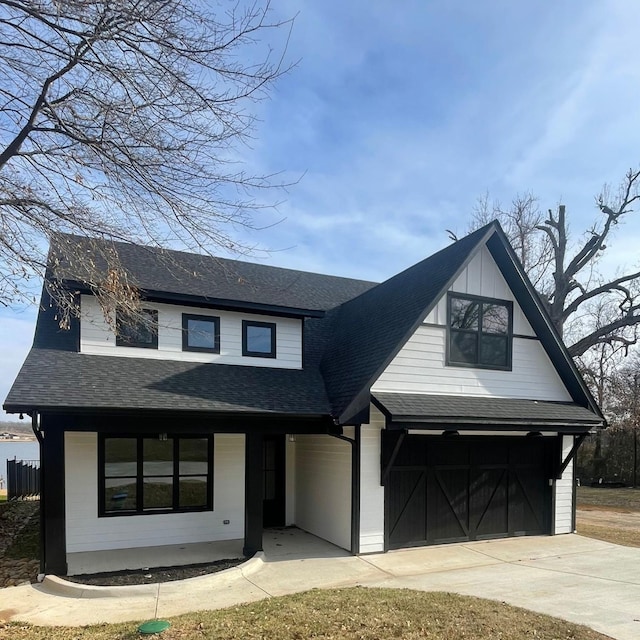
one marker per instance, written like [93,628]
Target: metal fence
[23,479]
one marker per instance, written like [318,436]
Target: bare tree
[587,308]
[121,119]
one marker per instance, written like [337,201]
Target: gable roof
[352,331]
[179,276]
[370,329]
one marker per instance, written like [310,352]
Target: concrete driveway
[579,579]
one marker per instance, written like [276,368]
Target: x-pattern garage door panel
[459,489]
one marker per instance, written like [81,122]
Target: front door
[274,480]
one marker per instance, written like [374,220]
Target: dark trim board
[166,422]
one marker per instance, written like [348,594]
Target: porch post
[53,547]
[254,493]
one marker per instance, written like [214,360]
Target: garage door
[456,489]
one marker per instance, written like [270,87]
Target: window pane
[493,350]
[464,314]
[259,339]
[158,493]
[201,333]
[119,494]
[193,491]
[464,347]
[158,456]
[120,457]
[194,456]
[495,318]
[140,330]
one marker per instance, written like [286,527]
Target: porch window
[141,331]
[258,339]
[200,333]
[480,332]
[155,474]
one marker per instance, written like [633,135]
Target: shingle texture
[190,274]
[368,329]
[420,408]
[65,379]
[359,328]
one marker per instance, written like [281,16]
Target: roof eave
[209,302]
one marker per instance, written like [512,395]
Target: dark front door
[460,488]
[274,480]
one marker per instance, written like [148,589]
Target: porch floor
[172,555]
[285,543]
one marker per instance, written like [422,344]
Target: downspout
[37,432]
[355,487]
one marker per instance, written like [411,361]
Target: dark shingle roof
[188,274]
[368,330]
[408,408]
[344,350]
[57,379]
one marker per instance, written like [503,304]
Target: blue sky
[399,115]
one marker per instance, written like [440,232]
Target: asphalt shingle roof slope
[177,272]
[368,329]
[439,409]
[55,375]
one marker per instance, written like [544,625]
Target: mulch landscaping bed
[157,574]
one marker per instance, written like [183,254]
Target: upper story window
[140,331]
[480,332]
[258,339]
[200,333]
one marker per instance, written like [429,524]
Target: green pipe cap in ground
[154,626]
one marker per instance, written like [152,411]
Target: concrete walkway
[579,579]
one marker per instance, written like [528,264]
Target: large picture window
[155,474]
[480,332]
[141,331]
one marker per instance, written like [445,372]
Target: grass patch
[367,614]
[625,537]
[625,499]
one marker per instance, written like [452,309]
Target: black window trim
[103,513]
[483,300]
[258,354]
[185,332]
[140,345]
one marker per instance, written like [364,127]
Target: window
[480,332]
[155,474]
[258,339]
[140,331]
[200,333]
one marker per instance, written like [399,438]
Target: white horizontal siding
[86,532]
[323,488]
[97,337]
[564,492]
[420,367]
[482,277]
[371,492]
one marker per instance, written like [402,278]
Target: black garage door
[454,489]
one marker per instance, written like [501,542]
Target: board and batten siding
[323,487]
[85,531]
[482,277]
[97,337]
[564,493]
[371,492]
[420,366]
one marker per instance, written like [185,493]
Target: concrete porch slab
[172,555]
